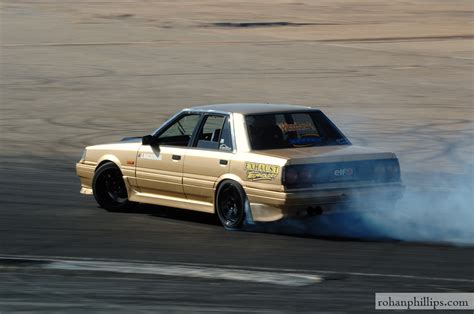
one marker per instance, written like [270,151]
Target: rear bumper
[352,194]
[272,205]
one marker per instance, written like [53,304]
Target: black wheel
[230,204]
[109,188]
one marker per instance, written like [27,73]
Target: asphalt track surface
[80,74]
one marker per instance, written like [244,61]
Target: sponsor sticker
[343,172]
[257,171]
[305,140]
[149,156]
[296,127]
[300,134]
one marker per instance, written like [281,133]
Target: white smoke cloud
[440,213]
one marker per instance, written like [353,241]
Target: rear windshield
[292,129]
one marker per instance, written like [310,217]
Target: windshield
[292,129]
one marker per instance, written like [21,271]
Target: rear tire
[230,204]
[110,190]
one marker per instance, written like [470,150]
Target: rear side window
[210,133]
[215,134]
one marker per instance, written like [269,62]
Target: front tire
[230,205]
[109,188]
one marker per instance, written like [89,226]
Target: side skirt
[169,201]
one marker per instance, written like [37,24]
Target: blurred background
[396,75]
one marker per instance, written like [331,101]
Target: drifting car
[261,162]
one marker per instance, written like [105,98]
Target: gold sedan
[254,162]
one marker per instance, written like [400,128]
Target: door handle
[176,157]
[223,162]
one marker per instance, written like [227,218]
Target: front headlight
[83,155]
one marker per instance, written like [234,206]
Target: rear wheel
[230,204]
[109,188]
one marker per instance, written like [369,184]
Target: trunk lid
[326,154]
[313,166]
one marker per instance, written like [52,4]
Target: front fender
[109,157]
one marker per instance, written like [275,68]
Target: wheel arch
[108,159]
[100,189]
[111,159]
[222,179]
[236,179]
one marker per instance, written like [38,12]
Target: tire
[109,188]
[230,204]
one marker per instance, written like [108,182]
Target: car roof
[249,108]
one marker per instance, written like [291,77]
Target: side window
[179,133]
[210,133]
[225,143]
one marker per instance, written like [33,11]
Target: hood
[337,153]
[122,145]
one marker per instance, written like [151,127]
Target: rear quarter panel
[257,171]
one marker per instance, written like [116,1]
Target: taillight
[393,170]
[380,171]
[387,170]
[305,175]
[298,176]
[291,176]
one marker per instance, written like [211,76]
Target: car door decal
[149,156]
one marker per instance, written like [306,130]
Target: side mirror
[148,140]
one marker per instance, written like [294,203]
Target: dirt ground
[391,74]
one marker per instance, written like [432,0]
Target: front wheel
[109,188]
[230,204]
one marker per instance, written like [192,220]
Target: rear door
[159,168]
[208,158]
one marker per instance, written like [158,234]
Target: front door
[208,159]
[159,168]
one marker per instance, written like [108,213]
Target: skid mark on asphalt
[212,272]
[279,276]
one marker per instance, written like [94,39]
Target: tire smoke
[440,213]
